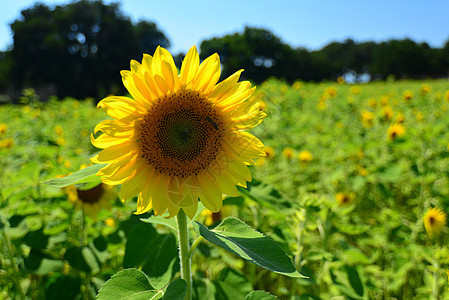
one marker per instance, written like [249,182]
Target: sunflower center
[431,220]
[181,134]
[92,195]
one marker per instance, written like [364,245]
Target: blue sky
[305,23]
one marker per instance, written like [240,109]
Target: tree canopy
[78,49]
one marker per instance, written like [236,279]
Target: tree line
[78,50]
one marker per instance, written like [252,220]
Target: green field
[351,171]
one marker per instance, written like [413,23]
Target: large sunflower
[179,138]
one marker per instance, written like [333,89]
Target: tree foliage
[262,54]
[78,49]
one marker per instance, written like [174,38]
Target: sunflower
[344,199]
[179,138]
[305,156]
[434,221]
[288,153]
[395,131]
[91,200]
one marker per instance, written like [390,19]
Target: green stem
[13,264]
[193,247]
[183,239]
[435,287]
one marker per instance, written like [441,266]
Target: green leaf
[236,237]
[38,263]
[260,295]
[176,290]
[82,258]
[161,259]
[82,176]
[232,285]
[170,223]
[141,239]
[36,239]
[58,282]
[128,284]
[354,279]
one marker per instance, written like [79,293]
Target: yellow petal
[104,141]
[114,166]
[115,128]
[135,183]
[122,174]
[121,108]
[136,87]
[116,152]
[147,61]
[226,86]
[211,195]
[189,66]
[158,190]
[144,202]
[191,210]
[207,75]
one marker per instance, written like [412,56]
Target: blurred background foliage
[78,49]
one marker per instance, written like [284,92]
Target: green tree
[79,48]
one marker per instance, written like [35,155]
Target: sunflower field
[354,188]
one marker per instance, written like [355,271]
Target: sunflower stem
[193,247]
[183,239]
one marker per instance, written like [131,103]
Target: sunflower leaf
[128,284]
[237,237]
[82,176]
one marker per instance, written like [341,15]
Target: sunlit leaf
[236,237]
[82,176]
[128,284]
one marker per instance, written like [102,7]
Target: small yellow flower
[110,222]
[60,141]
[425,89]
[214,217]
[6,143]
[321,104]
[367,118]
[355,90]
[269,151]
[344,199]
[407,95]
[305,156]
[372,102]
[387,112]
[283,88]
[67,164]
[288,153]
[3,128]
[384,100]
[340,80]
[434,221]
[261,162]
[363,172]
[400,118]
[92,200]
[297,85]
[26,109]
[58,130]
[331,91]
[395,131]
